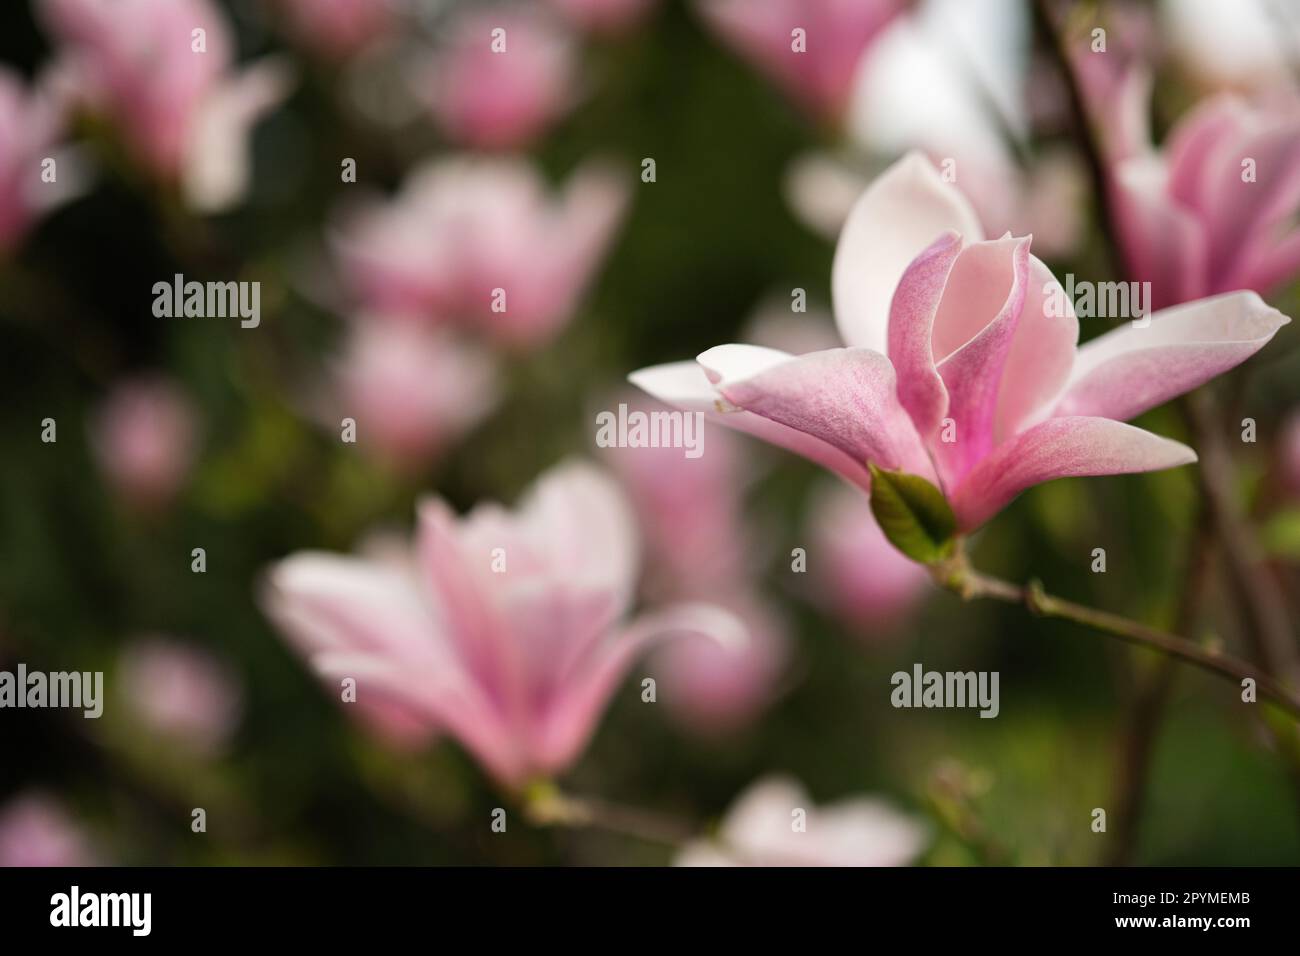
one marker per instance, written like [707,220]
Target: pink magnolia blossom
[180,693]
[836,35]
[337,29]
[857,572]
[1214,210]
[171,92]
[511,637]
[411,391]
[35,830]
[501,78]
[775,823]
[604,16]
[482,243]
[954,336]
[31,123]
[144,439]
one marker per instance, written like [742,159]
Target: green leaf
[913,513]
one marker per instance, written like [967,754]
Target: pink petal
[845,397]
[1163,243]
[1130,369]
[1060,448]
[685,385]
[1042,355]
[974,326]
[902,212]
[574,714]
[911,331]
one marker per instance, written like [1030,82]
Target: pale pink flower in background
[184,113]
[484,243]
[412,391]
[696,548]
[712,688]
[31,124]
[144,437]
[605,16]
[1215,209]
[762,828]
[338,29]
[952,79]
[837,34]
[36,830]
[856,572]
[774,325]
[500,79]
[1246,45]
[180,693]
[511,638]
[949,334]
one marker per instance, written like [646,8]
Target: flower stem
[958,576]
[547,806]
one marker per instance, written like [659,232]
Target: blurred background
[183,433]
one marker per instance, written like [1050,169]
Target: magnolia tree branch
[958,576]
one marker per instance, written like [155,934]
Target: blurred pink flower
[511,637]
[836,35]
[501,78]
[35,830]
[604,16]
[696,548]
[1215,210]
[462,229]
[143,437]
[857,573]
[714,688]
[775,823]
[169,89]
[337,29]
[951,335]
[180,693]
[412,391]
[31,123]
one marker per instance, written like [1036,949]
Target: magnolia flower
[812,48]
[180,693]
[953,79]
[144,439]
[1215,210]
[858,574]
[484,244]
[1248,44]
[501,79]
[337,29]
[511,637]
[35,830]
[411,391]
[776,824]
[161,70]
[604,16]
[31,123]
[962,365]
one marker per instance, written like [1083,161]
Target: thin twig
[957,575]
